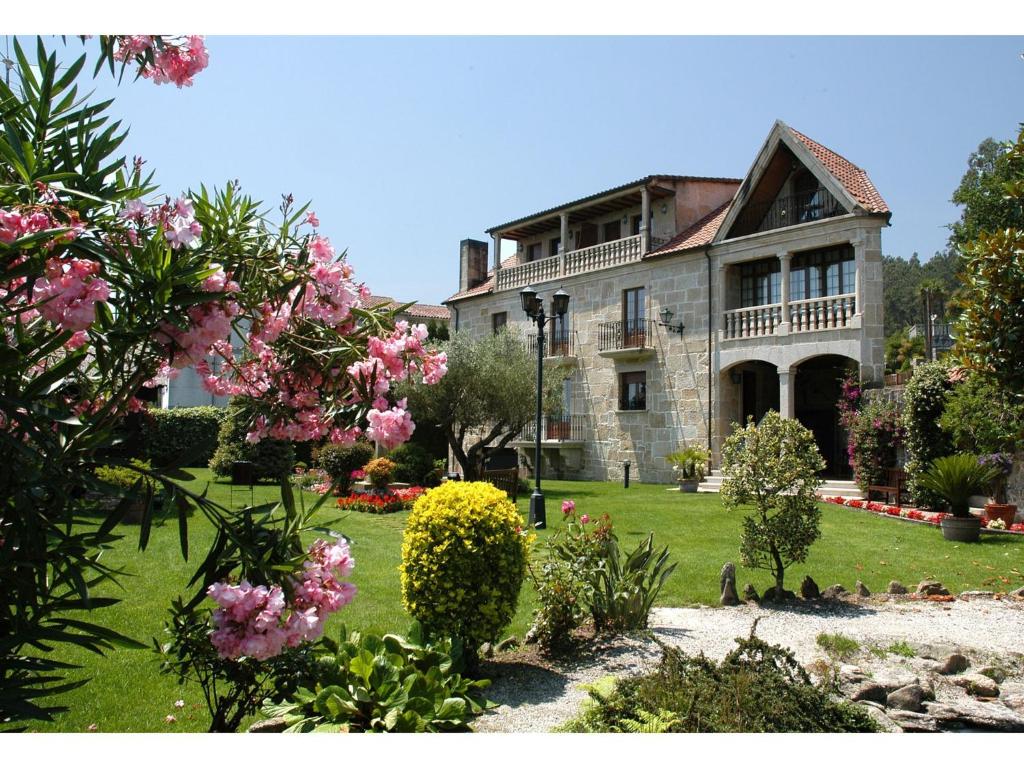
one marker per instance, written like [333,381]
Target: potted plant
[955,479]
[998,508]
[689,465]
[379,472]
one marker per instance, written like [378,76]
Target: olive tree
[771,472]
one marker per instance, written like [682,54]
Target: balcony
[824,314]
[556,430]
[788,211]
[557,344]
[629,340]
[596,257]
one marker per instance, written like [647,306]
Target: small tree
[773,468]
[487,397]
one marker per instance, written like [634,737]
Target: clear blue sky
[408,145]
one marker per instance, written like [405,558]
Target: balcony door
[634,313]
[612,231]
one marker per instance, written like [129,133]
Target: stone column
[858,282]
[787,393]
[497,256]
[783,327]
[563,242]
[645,220]
[723,274]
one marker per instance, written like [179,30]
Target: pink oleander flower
[392,427]
[312,220]
[584,519]
[568,507]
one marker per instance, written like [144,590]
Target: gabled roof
[697,235]
[847,182]
[434,311]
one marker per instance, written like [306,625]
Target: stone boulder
[869,690]
[971,715]
[750,594]
[770,595]
[861,590]
[271,725]
[834,592]
[994,673]
[954,664]
[931,588]
[977,685]
[809,589]
[908,698]
[1019,592]
[727,585]
[895,588]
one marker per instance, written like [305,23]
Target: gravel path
[535,699]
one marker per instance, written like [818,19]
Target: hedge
[185,437]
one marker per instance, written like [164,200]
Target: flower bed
[909,513]
[382,503]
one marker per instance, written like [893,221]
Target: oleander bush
[340,461]
[388,684]
[274,459]
[182,437]
[757,688]
[464,559]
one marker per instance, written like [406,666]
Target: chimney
[472,264]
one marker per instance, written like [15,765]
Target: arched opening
[817,389]
[747,390]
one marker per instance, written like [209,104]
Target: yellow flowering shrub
[463,562]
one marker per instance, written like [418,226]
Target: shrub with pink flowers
[108,288]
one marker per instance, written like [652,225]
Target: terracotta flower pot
[1005,512]
[961,528]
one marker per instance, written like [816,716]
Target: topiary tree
[185,437]
[925,440]
[773,468]
[273,458]
[463,562]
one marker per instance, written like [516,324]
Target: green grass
[837,645]
[127,693]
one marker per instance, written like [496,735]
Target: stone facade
[702,380]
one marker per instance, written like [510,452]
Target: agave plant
[622,593]
[956,479]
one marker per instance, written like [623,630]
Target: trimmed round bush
[339,461]
[463,562]
[273,458]
[184,437]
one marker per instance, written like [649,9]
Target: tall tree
[487,397]
[982,193]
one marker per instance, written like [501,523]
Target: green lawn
[127,693]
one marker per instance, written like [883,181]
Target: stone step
[713,484]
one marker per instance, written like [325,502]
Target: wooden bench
[895,484]
[506,480]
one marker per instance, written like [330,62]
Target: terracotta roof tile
[854,179]
[485,287]
[416,310]
[698,234]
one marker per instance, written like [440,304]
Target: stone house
[695,303]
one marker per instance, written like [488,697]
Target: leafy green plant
[901,648]
[757,688]
[875,435]
[981,417]
[622,592]
[463,563]
[273,458]
[689,463]
[955,479]
[126,478]
[340,461]
[414,465]
[773,468]
[924,399]
[840,646]
[369,683]
[181,437]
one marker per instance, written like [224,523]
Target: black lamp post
[666,321]
[533,306]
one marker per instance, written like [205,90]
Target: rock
[931,588]
[1019,592]
[508,644]
[833,592]
[1014,701]
[997,674]
[770,595]
[907,698]
[750,594]
[892,680]
[877,713]
[954,664]
[808,589]
[861,590]
[895,588]
[913,722]
[869,691]
[971,715]
[271,725]
[976,594]
[531,636]
[977,685]
[851,673]
[727,585]
[486,650]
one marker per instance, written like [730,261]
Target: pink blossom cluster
[68,293]
[175,60]
[176,217]
[15,224]
[390,427]
[210,327]
[260,621]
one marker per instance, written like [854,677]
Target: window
[634,227]
[553,245]
[633,391]
[498,321]
[558,340]
[634,312]
[533,251]
[760,283]
[612,231]
[828,272]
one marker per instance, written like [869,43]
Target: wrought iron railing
[629,334]
[560,428]
[557,343]
[788,211]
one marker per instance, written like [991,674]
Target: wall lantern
[666,321]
